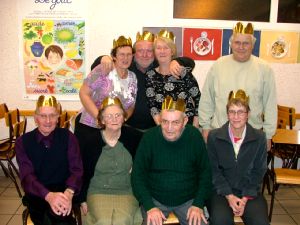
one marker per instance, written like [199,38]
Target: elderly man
[141,119]
[171,171]
[240,70]
[50,166]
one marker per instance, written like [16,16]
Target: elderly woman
[120,83]
[160,83]
[237,153]
[109,195]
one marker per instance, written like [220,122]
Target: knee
[220,219]
[122,220]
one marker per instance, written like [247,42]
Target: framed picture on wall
[251,10]
[288,11]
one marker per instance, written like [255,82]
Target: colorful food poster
[226,50]
[202,44]
[177,31]
[53,56]
[279,46]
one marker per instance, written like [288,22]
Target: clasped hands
[60,202]
[237,204]
[194,216]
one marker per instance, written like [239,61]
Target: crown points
[169,104]
[240,29]
[166,34]
[145,36]
[111,101]
[239,95]
[46,101]
[122,41]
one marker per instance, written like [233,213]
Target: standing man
[143,60]
[171,171]
[50,166]
[240,70]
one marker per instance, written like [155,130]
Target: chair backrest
[20,128]
[63,120]
[288,114]
[3,110]
[11,118]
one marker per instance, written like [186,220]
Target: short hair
[55,49]
[170,44]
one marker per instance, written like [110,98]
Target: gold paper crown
[146,36]
[240,94]
[111,101]
[240,29]
[166,34]
[169,103]
[47,101]
[122,41]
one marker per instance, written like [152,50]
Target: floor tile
[4,181]
[5,218]
[10,192]
[16,220]
[291,206]
[9,206]
[282,220]
[296,217]
[286,192]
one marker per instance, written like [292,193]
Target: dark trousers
[41,213]
[220,213]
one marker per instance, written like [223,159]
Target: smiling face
[123,57]
[242,46]
[112,117]
[237,116]
[163,52]
[172,124]
[46,118]
[144,54]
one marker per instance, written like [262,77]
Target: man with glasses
[171,171]
[240,70]
[50,166]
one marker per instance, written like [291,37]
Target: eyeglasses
[174,123]
[239,112]
[46,117]
[113,116]
[123,55]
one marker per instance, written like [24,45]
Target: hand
[196,121]
[107,64]
[59,203]
[195,215]
[175,69]
[155,217]
[84,208]
[236,204]
[205,134]
[269,144]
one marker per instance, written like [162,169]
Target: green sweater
[171,172]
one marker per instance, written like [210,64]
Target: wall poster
[52,50]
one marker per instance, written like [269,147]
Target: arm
[29,181]
[86,100]
[178,66]
[106,62]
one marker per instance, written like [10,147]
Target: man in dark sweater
[171,171]
[50,166]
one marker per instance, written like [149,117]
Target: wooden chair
[3,110]
[63,120]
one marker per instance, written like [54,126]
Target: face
[242,47]
[172,124]
[123,57]
[237,116]
[46,119]
[54,58]
[163,52]
[113,117]
[144,55]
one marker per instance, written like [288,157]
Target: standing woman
[160,83]
[109,195]
[238,157]
[120,83]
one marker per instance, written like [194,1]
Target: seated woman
[160,83]
[238,156]
[108,188]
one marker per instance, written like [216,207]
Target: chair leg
[13,178]
[274,189]
[3,169]
[25,215]
[77,213]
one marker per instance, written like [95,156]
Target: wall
[106,20]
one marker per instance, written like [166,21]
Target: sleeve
[207,101]
[29,181]
[151,93]
[186,62]
[139,176]
[220,183]
[194,90]
[252,180]
[269,104]
[204,173]
[74,181]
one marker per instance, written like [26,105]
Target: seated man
[171,171]
[50,166]
[238,156]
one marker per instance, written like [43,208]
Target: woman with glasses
[238,156]
[107,189]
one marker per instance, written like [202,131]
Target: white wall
[106,20]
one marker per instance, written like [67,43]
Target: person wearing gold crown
[141,119]
[50,166]
[171,171]
[160,83]
[108,197]
[240,70]
[238,157]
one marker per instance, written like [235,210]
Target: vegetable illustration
[64,35]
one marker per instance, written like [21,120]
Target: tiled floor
[286,209]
